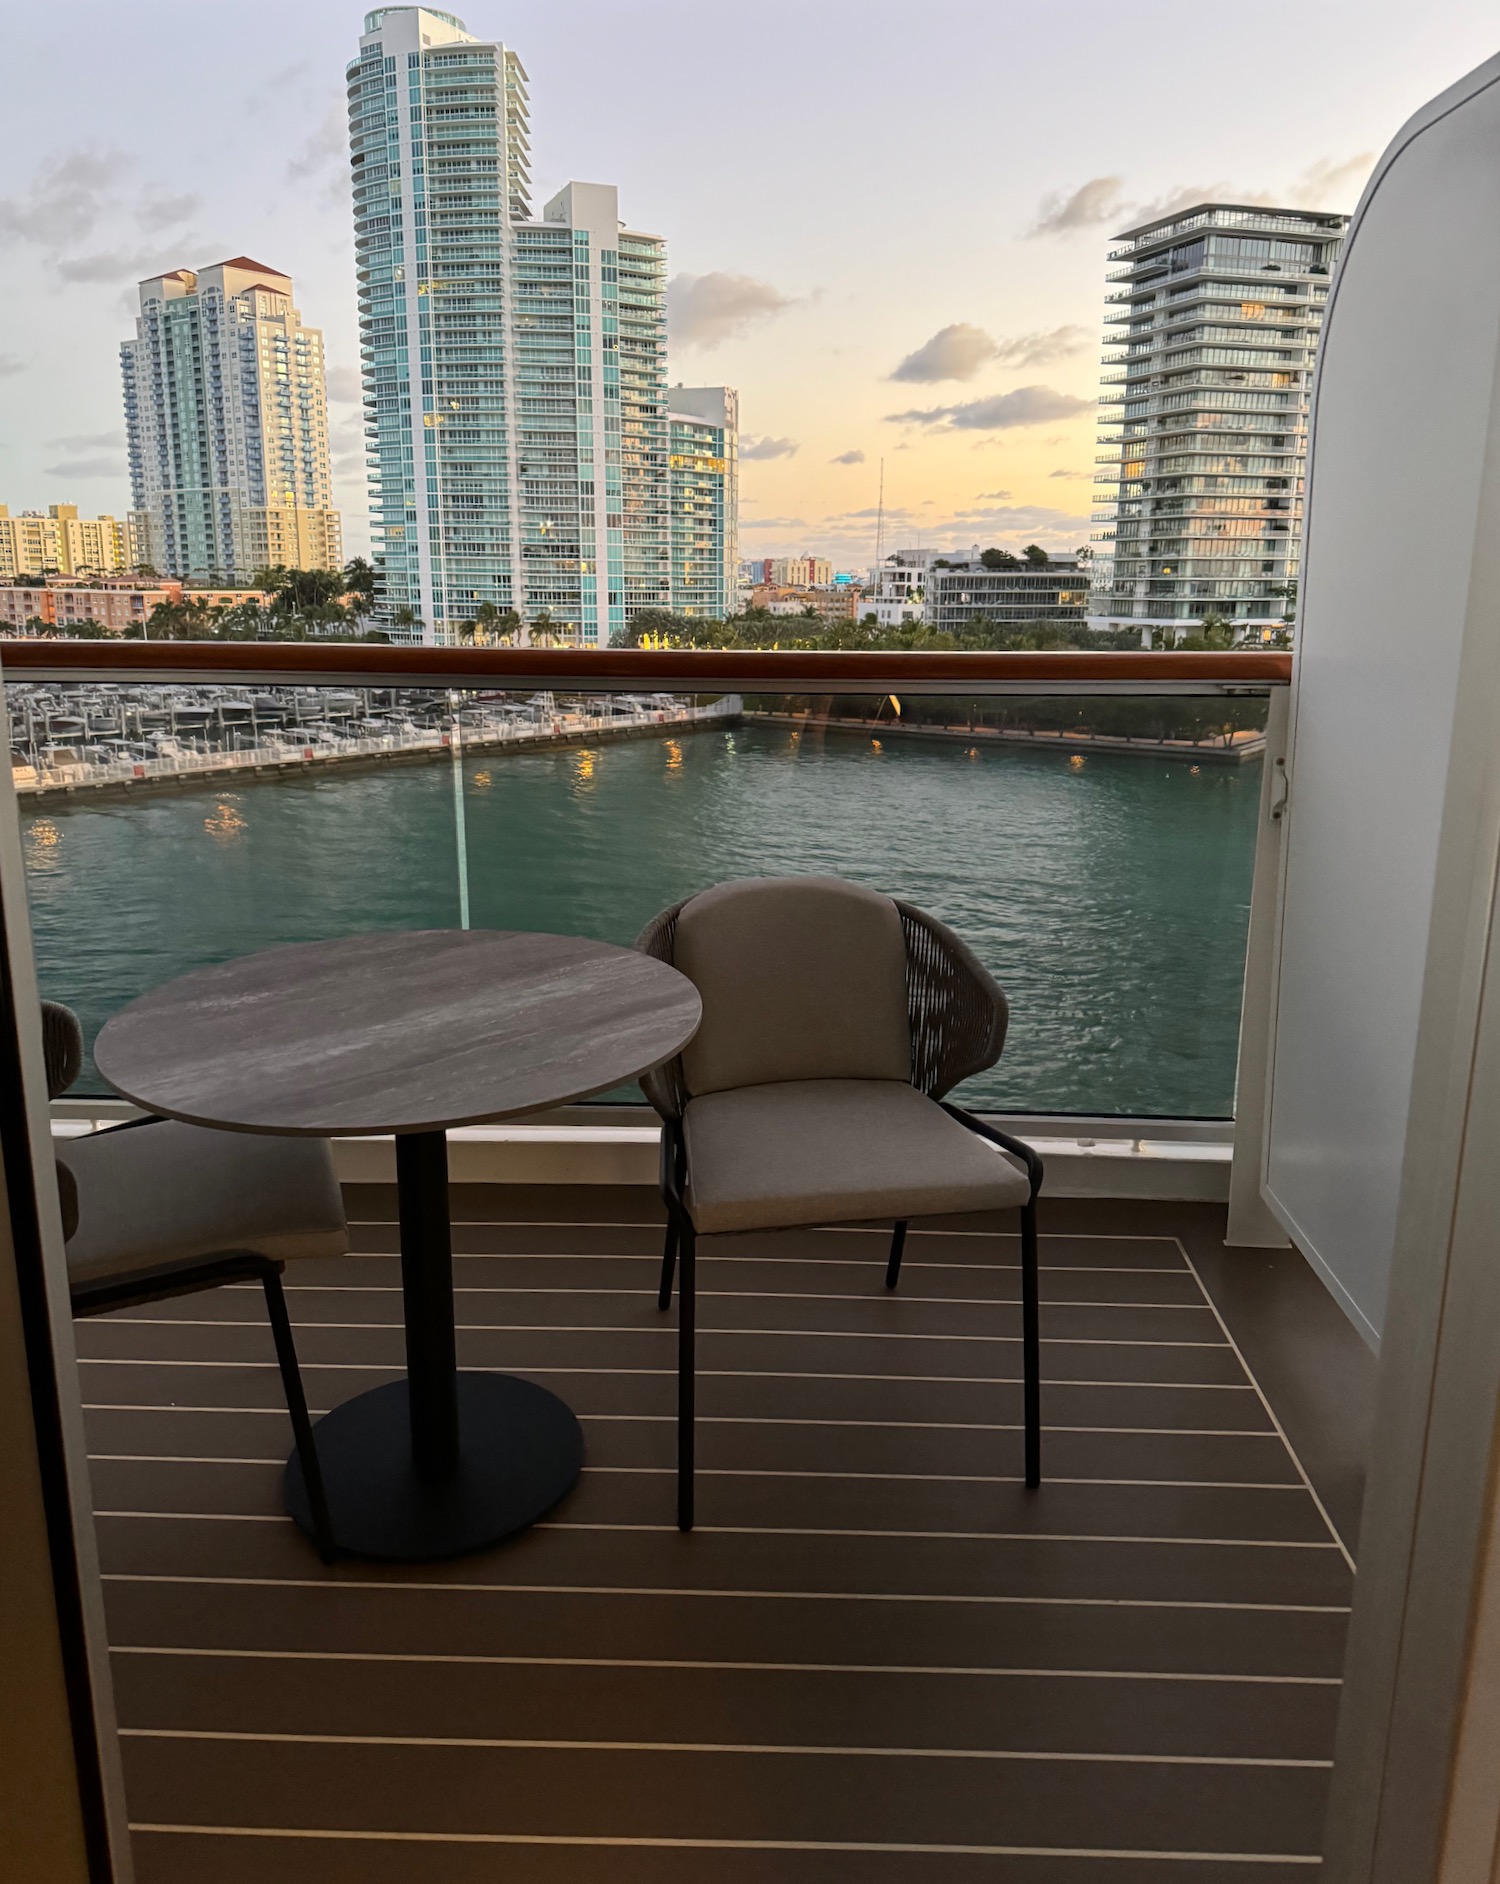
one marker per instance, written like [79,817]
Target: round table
[409,1033]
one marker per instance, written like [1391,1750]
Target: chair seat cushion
[833,1151]
[163,1195]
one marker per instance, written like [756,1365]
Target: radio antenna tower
[880,524]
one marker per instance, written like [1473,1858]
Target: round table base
[522,1450]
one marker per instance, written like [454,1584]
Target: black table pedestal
[440,1463]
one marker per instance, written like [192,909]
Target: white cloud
[956,352]
[321,151]
[706,310]
[1043,347]
[1027,405]
[1327,183]
[1068,474]
[1098,200]
[321,166]
[344,384]
[92,441]
[768,448]
[960,351]
[848,457]
[996,494]
[87,467]
[69,197]
[166,212]
[69,192]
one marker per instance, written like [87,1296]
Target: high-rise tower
[226,416]
[590,386]
[514,369]
[437,134]
[1212,326]
[705,441]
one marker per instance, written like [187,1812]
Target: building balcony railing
[219,738]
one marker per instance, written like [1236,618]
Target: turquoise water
[1108,895]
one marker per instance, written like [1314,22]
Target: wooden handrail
[1127,670]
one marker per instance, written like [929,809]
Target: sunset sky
[886,222]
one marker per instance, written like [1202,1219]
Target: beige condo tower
[226,411]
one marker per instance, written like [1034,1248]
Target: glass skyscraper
[705,467]
[1212,328]
[514,369]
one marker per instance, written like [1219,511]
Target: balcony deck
[877,1659]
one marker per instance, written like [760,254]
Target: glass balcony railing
[1096,851]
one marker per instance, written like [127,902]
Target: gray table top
[402,1031]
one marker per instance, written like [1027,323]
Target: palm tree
[359,582]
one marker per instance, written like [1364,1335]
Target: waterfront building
[703,424]
[514,369]
[595,495]
[832,605]
[226,416]
[60,542]
[958,593]
[896,593]
[60,602]
[793,572]
[1212,326]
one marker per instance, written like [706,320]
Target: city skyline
[922,289]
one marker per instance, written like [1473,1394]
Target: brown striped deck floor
[878,1658]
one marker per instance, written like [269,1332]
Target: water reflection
[42,840]
[1110,902]
[226,822]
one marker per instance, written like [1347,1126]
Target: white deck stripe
[789,1530]
[342,1585]
[722,1295]
[1302,1473]
[761,1471]
[747,1419]
[726,1667]
[659,1224]
[478,1743]
[118,1320]
[955,1537]
[704,1373]
[717,1257]
[569,1842]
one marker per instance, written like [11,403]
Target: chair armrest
[1017,1147]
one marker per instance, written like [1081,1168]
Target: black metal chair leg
[1031,1346]
[893,1267]
[686,1312]
[668,1263]
[296,1405]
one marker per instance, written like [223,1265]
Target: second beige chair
[835,1021]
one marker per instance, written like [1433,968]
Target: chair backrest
[801,978]
[62,1047]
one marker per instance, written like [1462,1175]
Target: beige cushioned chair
[834,1022]
[156,1208]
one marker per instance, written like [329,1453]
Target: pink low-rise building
[116,603]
